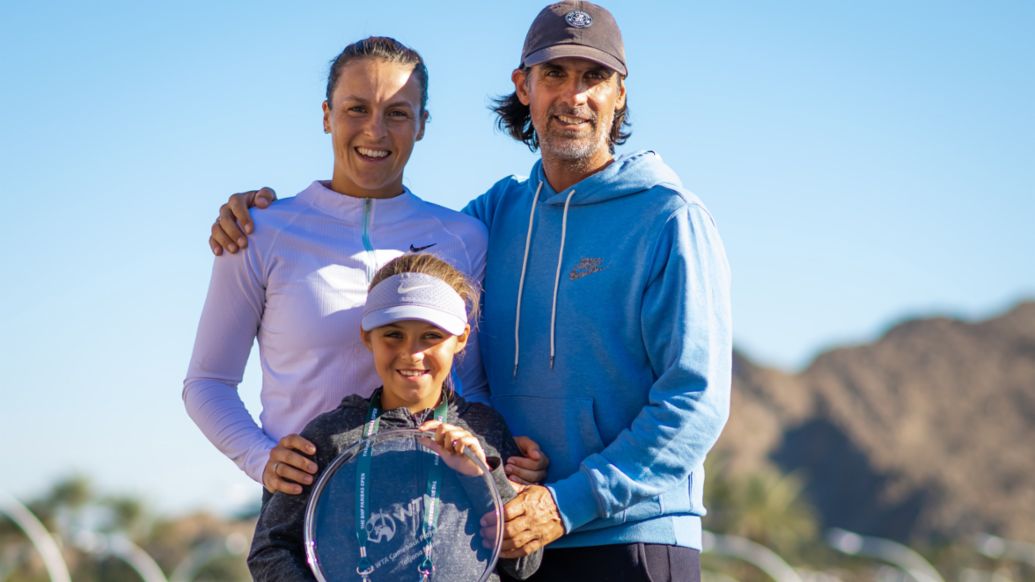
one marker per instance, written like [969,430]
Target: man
[606,330]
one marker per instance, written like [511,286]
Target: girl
[414,323]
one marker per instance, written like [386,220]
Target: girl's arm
[500,444]
[528,467]
[278,547]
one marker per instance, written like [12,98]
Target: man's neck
[562,174]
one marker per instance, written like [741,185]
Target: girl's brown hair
[429,264]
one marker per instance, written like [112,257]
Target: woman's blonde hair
[429,264]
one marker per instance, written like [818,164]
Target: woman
[300,285]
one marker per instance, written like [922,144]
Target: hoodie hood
[626,175]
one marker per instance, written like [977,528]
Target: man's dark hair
[515,119]
[387,49]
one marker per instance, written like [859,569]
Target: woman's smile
[373,154]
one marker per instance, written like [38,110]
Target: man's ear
[520,79]
[365,336]
[326,117]
[621,93]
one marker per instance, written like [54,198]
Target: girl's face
[413,359]
[374,119]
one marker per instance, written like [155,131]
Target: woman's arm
[229,323]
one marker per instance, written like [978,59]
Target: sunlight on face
[374,119]
[413,359]
[572,103]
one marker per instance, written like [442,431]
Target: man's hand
[230,230]
[286,468]
[529,468]
[531,521]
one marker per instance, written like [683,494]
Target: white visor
[415,296]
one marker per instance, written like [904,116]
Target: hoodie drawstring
[521,281]
[557,276]
[556,279]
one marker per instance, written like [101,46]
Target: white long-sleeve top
[299,288]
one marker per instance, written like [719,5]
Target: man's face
[573,103]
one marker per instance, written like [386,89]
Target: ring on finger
[276,465]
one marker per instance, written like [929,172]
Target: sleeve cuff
[575,501]
[256,463]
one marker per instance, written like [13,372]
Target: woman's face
[374,119]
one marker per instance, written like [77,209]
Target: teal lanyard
[428,523]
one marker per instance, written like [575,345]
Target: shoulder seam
[293,216]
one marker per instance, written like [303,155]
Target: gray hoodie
[278,548]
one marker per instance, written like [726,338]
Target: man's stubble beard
[577,154]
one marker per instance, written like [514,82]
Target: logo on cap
[578,19]
[405,288]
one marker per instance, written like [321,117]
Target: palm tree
[765,506]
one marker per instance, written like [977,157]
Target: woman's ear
[365,336]
[423,122]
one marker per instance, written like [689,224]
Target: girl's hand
[450,441]
[530,468]
[286,470]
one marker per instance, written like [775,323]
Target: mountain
[922,434]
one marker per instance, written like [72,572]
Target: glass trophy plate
[420,515]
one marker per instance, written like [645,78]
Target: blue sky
[865,161]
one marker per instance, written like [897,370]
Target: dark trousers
[618,563]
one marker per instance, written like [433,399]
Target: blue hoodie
[607,338]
